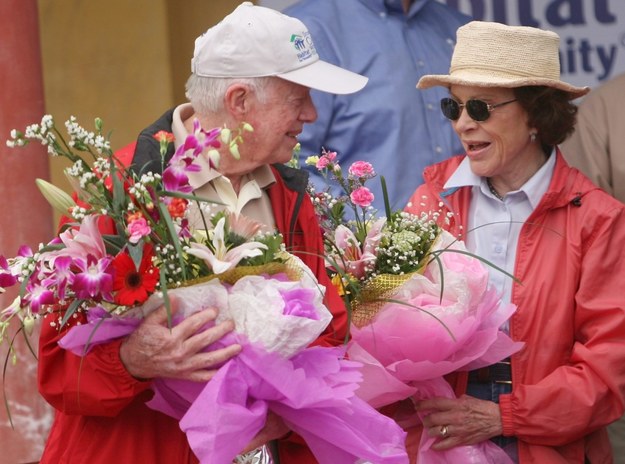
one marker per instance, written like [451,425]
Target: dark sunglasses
[477,110]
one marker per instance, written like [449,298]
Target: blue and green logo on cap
[303,45]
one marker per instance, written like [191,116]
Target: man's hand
[155,350]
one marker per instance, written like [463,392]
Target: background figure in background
[597,148]
[388,123]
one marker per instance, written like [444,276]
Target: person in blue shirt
[389,123]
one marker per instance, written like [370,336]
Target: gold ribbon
[374,294]
[290,267]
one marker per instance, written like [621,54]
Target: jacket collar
[568,185]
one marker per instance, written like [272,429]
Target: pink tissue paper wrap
[311,388]
[411,344]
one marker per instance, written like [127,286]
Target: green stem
[387,204]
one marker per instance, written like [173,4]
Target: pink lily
[353,258]
[83,242]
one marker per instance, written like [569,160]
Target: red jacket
[569,380]
[101,416]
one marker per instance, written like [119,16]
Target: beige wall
[108,59]
[126,62]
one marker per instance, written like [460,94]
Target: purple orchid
[95,279]
[175,177]
[185,229]
[38,295]
[62,275]
[10,271]
[7,279]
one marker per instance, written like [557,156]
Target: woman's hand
[460,421]
[274,428]
[156,350]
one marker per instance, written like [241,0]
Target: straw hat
[489,54]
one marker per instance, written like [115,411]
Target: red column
[25,217]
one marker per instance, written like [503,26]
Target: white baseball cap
[255,41]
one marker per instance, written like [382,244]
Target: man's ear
[237,99]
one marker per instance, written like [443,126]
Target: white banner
[592,32]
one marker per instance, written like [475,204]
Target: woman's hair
[550,111]
[206,93]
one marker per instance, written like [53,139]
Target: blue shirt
[390,123]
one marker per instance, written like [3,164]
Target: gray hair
[206,93]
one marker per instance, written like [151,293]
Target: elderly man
[256,66]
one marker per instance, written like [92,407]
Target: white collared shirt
[494,225]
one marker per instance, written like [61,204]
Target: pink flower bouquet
[438,322]
[420,303]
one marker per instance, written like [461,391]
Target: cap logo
[303,45]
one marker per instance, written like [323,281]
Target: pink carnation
[361,169]
[327,158]
[137,229]
[362,197]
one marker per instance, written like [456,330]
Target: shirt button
[382,14]
[438,150]
[498,249]
[430,106]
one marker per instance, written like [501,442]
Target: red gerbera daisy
[131,285]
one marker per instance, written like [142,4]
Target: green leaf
[119,194]
[71,309]
[387,204]
[434,316]
[136,253]
[166,300]
[114,243]
[188,196]
[174,237]
[473,255]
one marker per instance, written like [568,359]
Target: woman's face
[499,146]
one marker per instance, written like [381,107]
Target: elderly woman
[517,203]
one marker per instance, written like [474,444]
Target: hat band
[505,72]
